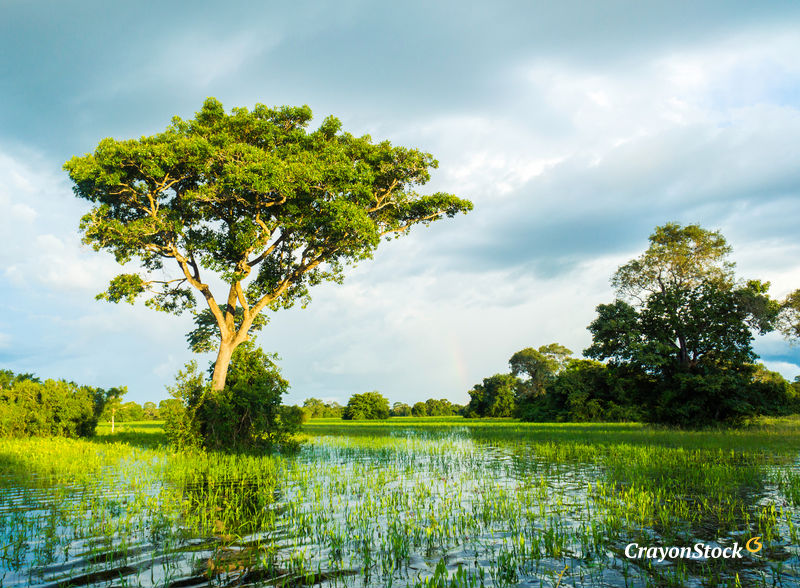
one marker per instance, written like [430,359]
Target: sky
[574,127]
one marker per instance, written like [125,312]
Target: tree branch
[266,252]
[410,224]
[204,290]
[286,282]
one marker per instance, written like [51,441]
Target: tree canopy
[316,408]
[678,258]
[253,198]
[400,409]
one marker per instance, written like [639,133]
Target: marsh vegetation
[417,502]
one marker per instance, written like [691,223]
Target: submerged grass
[419,502]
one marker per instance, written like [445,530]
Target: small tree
[113,404]
[369,405]
[254,198]
[400,409]
[790,316]
[536,369]
[420,409]
[150,411]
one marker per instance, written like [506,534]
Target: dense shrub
[721,396]
[775,395]
[169,407]
[29,408]
[292,417]
[369,405]
[246,415]
[495,397]
[592,391]
[583,391]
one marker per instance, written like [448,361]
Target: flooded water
[405,507]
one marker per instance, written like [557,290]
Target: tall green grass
[432,501]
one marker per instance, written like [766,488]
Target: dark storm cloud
[73,72]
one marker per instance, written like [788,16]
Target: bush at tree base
[245,415]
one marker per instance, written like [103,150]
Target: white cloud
[41,245]
[18,186]
[788,370]
[22,212]
[167,369]
[431,334]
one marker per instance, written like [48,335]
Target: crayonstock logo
[696,551]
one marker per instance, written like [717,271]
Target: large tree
[256,200]
[684,323]
[687,305]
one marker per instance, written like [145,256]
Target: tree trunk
[683,353]
[221,365]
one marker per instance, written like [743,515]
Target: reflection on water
[402,506]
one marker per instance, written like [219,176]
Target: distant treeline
[373,405]
[32,408]
[546,385]
[125,412]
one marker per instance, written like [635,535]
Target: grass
[409,501]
